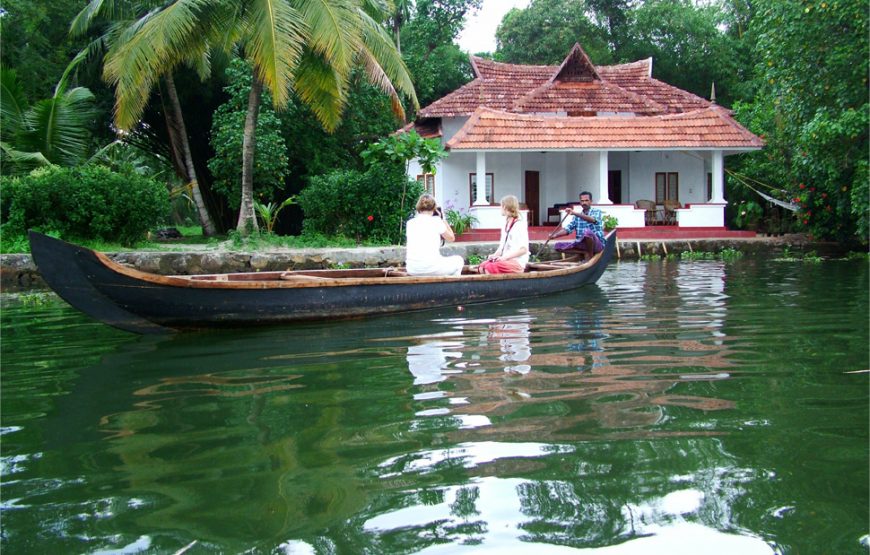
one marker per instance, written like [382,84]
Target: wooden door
[614,186]
[533,192]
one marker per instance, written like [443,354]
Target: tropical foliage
[361,205]
[51,131]
[85,202]
[270,167]
[811,107]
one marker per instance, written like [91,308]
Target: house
[546,133]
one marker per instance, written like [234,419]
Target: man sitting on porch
[588,223]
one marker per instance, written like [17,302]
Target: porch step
[657,233]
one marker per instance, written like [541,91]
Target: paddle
[550,236]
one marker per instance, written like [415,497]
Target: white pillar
[480,189]
[718,178]
[603,193]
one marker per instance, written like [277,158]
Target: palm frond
[58,126]
[25,159]
[14,105]
[275,34]
[379,46]
[148,48]
[321,88]
[332,30]
[378,78]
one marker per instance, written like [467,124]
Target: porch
[657,233]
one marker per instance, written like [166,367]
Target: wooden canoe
[142,302]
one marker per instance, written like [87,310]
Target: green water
[701,407]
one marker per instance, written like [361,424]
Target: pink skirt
[501,267]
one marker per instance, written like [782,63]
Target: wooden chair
[670,211]
[650,214]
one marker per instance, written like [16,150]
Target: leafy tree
[688,48]
[227,136]
[397,151]
[811,107]
[544,33]
[437,65]
[36,42]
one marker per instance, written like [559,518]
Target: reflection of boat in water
[143,302]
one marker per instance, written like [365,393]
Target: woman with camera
[513,249]
[424,233]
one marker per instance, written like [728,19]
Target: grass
[192,235]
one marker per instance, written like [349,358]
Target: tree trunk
[247,218]
[181,144]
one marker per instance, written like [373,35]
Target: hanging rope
[743,180]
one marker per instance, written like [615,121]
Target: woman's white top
[517,237]
[423,248]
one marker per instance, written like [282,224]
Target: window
[427,180]
[667,186]
[709,187]
[490,186]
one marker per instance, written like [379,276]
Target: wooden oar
[550,236]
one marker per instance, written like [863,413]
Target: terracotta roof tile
[624,88]
[711,127]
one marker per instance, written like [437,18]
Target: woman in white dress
[423,250]
[513,249]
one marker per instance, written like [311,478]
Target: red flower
[806,222]
[824,195]
[371,218]
[802,186]
[813,189]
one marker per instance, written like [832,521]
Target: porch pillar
[718,171]
[603,194]
[480,188]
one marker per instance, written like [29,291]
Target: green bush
[84,202]
[365,206]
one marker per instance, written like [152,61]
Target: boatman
[588,223]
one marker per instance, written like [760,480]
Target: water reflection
[604,420]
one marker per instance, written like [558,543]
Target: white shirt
[516,238]
[423,248]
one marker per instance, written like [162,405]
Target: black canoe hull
[146,303]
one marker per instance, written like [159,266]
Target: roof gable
[576,68]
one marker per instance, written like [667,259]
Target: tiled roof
[585,99]
[536,89]
[711,127]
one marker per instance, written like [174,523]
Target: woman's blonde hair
[511,206]
[426,202]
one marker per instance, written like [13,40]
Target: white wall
[642,167]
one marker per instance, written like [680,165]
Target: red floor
[657,233]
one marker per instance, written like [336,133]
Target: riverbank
[18,272]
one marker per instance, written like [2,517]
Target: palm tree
[125,18]
[305,46]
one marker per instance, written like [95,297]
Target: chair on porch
[650,214]
[670,211]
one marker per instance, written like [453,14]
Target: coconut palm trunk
[179,130]
[247,218]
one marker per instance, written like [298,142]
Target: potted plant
[610,222]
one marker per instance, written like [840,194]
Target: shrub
[84,202]
[365,206]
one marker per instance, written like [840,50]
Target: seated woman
[513,249]
[424,233]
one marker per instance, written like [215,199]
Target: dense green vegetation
[794,72]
